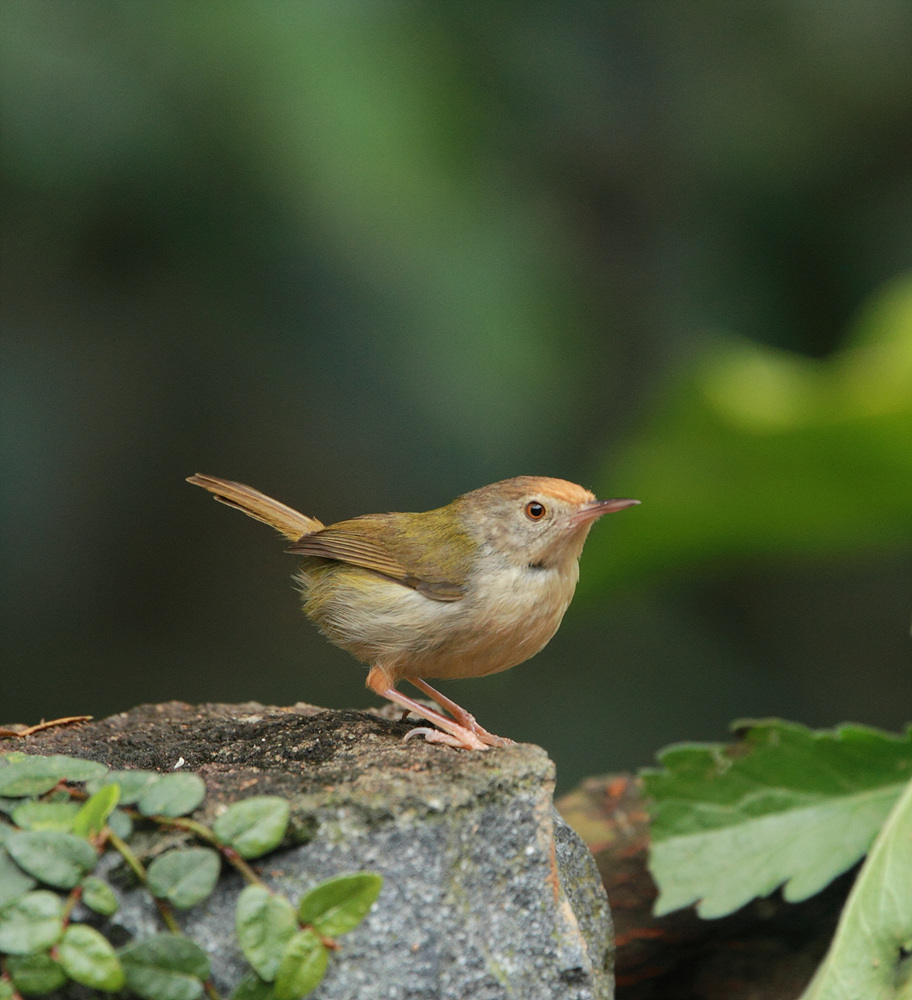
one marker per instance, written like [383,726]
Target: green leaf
[184,876]
[339,904]
[264,922]
[13,880]
[302,967]
[874,936]
[95,811]
[172,795]
[756,453]
[254,826]
[6,990]
[786,805]
[36,973]
[32,922]
[89,959]
[34,815]
[121,824]
[251,987]
[57,858]
[32,775]
[131,784]
[98,896]
[165,967]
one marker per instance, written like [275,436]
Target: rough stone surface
[487,893]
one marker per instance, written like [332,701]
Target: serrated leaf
[874,935]
[254,826]
[33,775]
[57,858]
[89,959]
[172,795]
[35,974]
[340,904]
[185,876]
[302,967]
[785,806]
[34,815]
[32,922]
[264,922]
[165,967]
[95,811]
[98,896]
[13,880]
[251,987]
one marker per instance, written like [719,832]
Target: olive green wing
[383,544]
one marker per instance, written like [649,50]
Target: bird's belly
[498,625]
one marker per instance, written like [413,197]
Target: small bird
[465,590]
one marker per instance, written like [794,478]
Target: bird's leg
[464,718]
[453,734]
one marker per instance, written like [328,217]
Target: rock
[487,893]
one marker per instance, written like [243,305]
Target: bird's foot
[464,719]
[467,742]
[467,721]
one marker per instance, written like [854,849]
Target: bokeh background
[367,256]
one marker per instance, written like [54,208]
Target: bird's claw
[469,742]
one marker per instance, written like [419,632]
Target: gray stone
[487,894]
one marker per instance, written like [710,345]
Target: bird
[465,590]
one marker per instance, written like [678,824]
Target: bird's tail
[289,522]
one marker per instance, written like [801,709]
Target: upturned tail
[291,523]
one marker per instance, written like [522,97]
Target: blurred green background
[368,256]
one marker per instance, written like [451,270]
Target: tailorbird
[465,590]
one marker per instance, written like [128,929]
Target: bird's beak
[595,508]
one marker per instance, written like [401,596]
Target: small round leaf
[52,856]
[165,967]
[172,795]
[184,877]
[264,922]
[36,973]
[98,896]
[251,987]
[13,880]
[253,826]
[33,775]
[89,959]
[339,904]
[302,967]
[131,784]
[32,815]
[32,922]
[121,824]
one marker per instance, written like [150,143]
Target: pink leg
[453,734]
[464,718]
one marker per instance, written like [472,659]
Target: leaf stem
[204,833]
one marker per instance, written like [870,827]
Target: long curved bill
[595,508]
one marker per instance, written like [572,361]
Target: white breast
[501,622]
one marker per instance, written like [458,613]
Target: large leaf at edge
[786,805]
[868,955]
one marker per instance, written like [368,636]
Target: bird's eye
[534,510]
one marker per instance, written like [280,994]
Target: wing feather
[364,542]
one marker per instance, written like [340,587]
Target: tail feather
[291,523]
